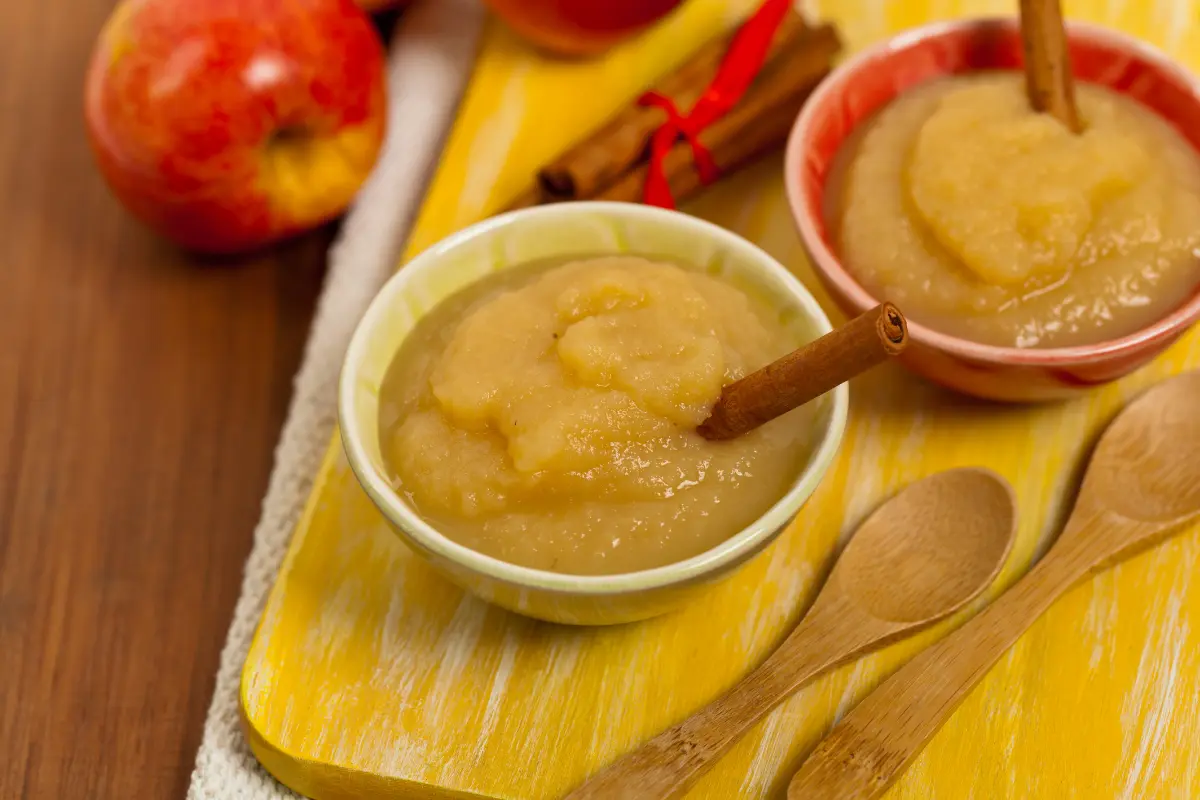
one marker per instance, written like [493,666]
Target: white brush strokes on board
[489,153]
[772,749]
[1174,22]
[491,712]
[1151,701]
[1101,613]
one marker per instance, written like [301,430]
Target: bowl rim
[829,266]
[727,553]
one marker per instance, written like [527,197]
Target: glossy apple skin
[229,124]
[579,27]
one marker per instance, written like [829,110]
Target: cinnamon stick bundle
[603,157]
[611,164]
[759,124]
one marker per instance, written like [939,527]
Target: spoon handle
[670,763]
[865,753]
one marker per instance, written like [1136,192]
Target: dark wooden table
[141,395]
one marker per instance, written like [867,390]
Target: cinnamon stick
[607,153]
[807,373]
[759,124]
[1048,79]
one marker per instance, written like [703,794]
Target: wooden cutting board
[370,676]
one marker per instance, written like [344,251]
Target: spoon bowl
[932,548]
[918,558]
[1138,469]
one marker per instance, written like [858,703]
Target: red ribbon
[738,68]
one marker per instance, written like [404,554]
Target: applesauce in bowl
[546,415]
[1027,272]
[520,403]
[989,221]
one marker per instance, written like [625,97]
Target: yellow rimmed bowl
[566,231]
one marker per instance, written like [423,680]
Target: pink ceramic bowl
[871,79]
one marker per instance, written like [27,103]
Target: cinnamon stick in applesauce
[807,373]
[759,124]
[606,154]
[1048,79]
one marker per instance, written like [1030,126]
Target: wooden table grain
[141,394]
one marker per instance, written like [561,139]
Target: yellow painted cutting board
[370,676]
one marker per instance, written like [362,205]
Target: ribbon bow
[737,70]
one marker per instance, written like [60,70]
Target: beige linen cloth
[431,55]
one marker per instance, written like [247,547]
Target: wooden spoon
[919,557]
[1143,484]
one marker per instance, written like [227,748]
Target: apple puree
[991,222]
[548,417]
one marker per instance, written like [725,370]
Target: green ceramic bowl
[564,231]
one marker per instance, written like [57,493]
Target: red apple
[229,124]
[579,27]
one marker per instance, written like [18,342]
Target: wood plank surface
[141,394]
